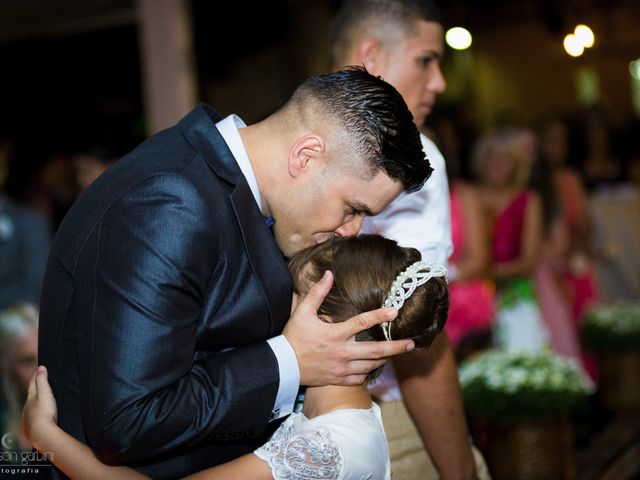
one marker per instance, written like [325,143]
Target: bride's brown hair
[364,268]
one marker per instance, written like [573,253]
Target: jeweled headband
[405,284]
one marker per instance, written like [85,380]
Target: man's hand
[328,353]
[40,411]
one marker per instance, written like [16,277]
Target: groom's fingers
[353,380]
[358,371]
[366,320]
[363,367]
[317,292]
[373,351]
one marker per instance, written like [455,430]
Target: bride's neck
[321,400]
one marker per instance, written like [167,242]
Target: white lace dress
[347,444]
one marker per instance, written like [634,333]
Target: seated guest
[339,433]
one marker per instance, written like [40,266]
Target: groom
[166,290]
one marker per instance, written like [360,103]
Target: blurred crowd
[545,222]
[27,226]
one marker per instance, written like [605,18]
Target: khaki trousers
[409,459]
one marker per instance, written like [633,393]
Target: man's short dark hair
[374,117]
[355,15]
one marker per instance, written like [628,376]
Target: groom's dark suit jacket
[161,288]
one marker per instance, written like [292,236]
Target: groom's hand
[328,353]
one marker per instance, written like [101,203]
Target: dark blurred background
[78,73]
[82,82]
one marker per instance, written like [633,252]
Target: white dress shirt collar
[287,361]
[228,128]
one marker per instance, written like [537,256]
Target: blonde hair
[507,141]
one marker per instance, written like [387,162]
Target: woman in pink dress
[501,163]
[565,278]
[471,307]
[573,245]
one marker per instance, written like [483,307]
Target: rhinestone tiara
[405,284]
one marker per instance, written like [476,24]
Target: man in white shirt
[401,40]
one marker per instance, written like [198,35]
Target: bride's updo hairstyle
[364,268]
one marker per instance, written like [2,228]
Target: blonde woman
[501,163]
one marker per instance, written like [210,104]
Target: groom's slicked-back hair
[373,118]
[386,20]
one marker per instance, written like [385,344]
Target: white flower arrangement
[612,327]
[508,386]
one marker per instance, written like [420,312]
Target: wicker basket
[620,379]
[539,450]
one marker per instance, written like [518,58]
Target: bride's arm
[247,467]
[72,457]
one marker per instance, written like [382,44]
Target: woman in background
[566,277]
[501,164]
[471,305]
[574,252]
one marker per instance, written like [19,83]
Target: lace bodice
[346,444]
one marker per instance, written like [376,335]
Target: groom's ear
[307,153]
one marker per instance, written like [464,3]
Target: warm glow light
[634,69]
[585,35]
[635,88]
[458,38]
[573,46]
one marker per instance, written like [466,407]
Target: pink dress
[508,229]
[580,281]
[471,305]
[556,311]
[564,293]
[519,324]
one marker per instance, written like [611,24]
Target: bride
[339,433]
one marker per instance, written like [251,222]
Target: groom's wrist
[289,376]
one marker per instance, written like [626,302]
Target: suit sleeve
[141,283]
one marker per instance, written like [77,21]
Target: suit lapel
[264,255]
[266,259]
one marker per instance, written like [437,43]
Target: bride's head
[364,268]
